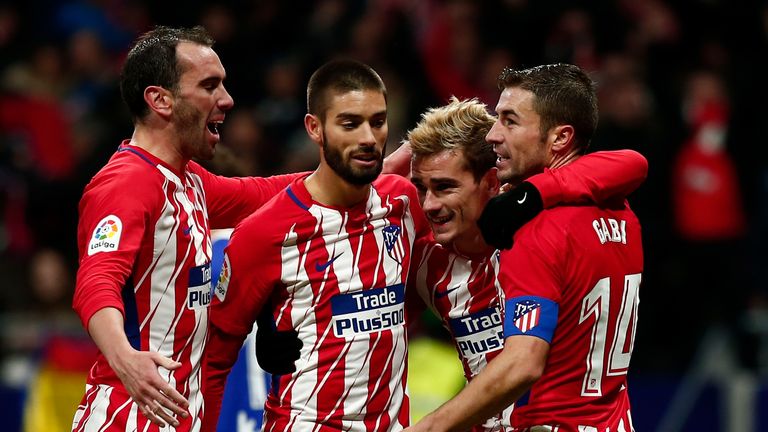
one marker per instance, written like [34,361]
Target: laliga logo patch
[106,236]
[224,277]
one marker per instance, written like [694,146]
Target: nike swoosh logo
[187,230]
[441,294]
[522,200]
[322,266]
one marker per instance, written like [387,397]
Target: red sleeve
[530,268]
[113,221]
[248,273]
[232,199]
[414,303]
[219,359]
[244,286]
[594,178]
[423,231]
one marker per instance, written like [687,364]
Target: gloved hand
[506,213]
[276,351]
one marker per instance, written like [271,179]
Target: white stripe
[528,320]
[534,317]
[131,423]
[114,414]
[99,407]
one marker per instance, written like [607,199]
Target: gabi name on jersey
[368,311]
[478,333]
[612,231]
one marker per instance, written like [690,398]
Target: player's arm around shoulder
[232,199]
[593,178]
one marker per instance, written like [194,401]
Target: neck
[562,160]
[471,243]
[327,188]
[161,142]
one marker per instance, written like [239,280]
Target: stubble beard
[360,177]
[188,123]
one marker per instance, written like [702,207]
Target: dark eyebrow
[357,117]
[446,180]
[508,112]
[349,116]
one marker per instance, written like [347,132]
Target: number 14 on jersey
[616,360]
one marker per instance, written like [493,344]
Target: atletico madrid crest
[527,313]
[393,242]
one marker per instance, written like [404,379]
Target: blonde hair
[461,125]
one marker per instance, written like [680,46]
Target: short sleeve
[532,284]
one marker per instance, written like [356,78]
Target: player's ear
[314,128]
[562,138]
[159,100]
[490,181]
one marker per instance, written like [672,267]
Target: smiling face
[354,135]
[452,198]
[516,137]
[200,100]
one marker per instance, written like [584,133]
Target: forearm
[106,330]
[594,178]
[506,378]
[495,388]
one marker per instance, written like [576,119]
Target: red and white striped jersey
[462,291]
[572,279]
[145,249]
[337,276]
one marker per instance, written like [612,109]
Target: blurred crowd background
[682,82]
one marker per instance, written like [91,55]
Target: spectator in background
[451,49]
[708,213]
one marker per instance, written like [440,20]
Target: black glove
[506,213]
[276,351]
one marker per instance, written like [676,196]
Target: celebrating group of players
[338,261]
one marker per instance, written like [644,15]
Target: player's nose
[494,135]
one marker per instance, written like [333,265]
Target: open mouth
[213,127]
[441,219]
[501,158]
